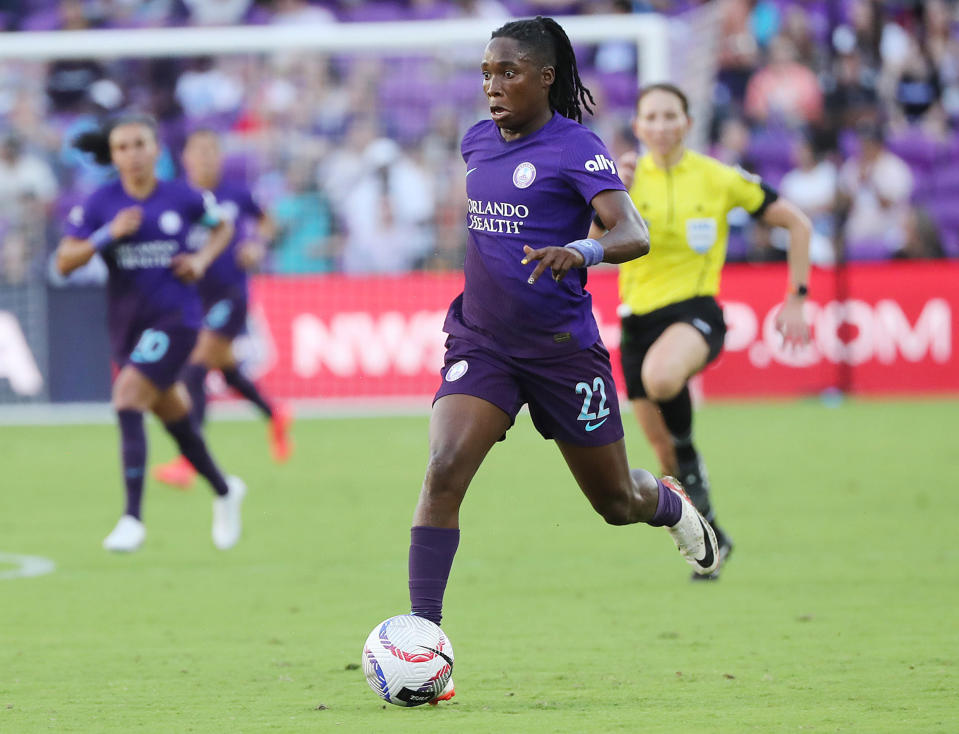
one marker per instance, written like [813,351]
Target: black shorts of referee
[703,313]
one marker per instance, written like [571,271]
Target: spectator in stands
[851,94]
[811,185]
[388,213]
[302,215]
[23,174]
[738,49]
[300,12]
[217,12]
[875,188]
[14,257]
[922,240]
[784,89]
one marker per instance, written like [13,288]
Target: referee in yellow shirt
[672,326]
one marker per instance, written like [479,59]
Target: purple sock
[431,557]
[194,377]
[133,450]
[669,508]
[193,447]
[242,384]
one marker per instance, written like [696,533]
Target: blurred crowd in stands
[849,107]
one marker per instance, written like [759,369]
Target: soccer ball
[407,660]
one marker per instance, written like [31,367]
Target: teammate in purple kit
[534,178]
[139,226]
[224,292]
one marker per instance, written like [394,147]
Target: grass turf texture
[836,613]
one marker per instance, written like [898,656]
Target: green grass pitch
[837,612]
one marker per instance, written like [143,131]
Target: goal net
[348,135]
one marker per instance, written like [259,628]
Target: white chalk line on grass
[24,566]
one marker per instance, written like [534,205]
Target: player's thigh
[602,473]
[651,421]
[213,350]
[132,390]
[463,428]
[172,404]
[679,353]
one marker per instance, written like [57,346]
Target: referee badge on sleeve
[701,234]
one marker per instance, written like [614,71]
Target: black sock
[678,417]
[194,377]
[239,382]
[133,451]
[193,447]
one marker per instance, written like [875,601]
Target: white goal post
[649,31]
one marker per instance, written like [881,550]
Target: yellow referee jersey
[685,208]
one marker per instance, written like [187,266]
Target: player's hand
[189,268]
[557,259]
[626,167]
[250,254]
[791,323]
[126,222]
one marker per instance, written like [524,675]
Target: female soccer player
[139,225]
[674,326]
[224,292]
[534,176]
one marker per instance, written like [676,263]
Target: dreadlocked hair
[549,44]
[97,142]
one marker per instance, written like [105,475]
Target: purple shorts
[160,352]
[226,315]
[572,398]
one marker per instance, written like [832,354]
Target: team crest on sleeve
[170,222]
[524,175]
[457,371]
[75,217]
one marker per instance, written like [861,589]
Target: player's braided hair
[547,40]
[97,142]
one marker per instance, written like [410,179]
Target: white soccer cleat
[694,537]
[447,693]
[227,522]
[127,536]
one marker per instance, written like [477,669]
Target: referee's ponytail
[97,142]
[551,46]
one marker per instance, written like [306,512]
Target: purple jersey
[225,275]
[532,191]
[142,289]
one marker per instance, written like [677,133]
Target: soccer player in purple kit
[534,177]
[224,292]
[139,225]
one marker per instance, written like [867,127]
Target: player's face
[517,88]
[134,151]
[202,159]
[661,125]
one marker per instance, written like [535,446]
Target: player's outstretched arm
[791,321]
[190,268]
[250,253]
[626,238]
[74,252]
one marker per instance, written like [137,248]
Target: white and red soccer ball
[407,660]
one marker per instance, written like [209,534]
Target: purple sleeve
[84,219]
[588,166]
[249,205]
